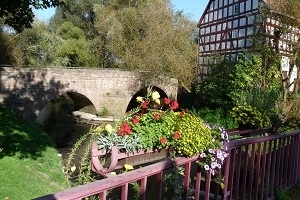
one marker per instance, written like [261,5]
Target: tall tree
[78,12]
[38,46]
[147,36]
[19,14]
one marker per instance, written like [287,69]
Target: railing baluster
[278,163]
[237,172]
[257,171]
[186,179]
[297,141]
[197,183]
[290,171]
[252,162]
[207,185]
[231,172]
[263,170]
[103,195]
[124,195]
[286,163]
[227,166]
[273,164]
[143,188]
[217,188]
[159,178]
[245,170]
[268,168]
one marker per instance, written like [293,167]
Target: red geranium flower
[176,135]
[125,129]
[163,140]
[167,101]
[174,105]
[135,120]
[157,116]
[145,104]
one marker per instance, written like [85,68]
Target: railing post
[226,192]
[298,158]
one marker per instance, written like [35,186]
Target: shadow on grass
[24,92]
[20,138]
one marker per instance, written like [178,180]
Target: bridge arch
[143,92]
[64,105]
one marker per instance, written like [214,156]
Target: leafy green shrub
[215,116]
[249,116]
[213,91]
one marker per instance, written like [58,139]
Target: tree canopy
[19,13]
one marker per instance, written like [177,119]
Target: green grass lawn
[29,163]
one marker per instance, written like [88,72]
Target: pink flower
[135,120]
[145,104]
[167,101]
[174,105]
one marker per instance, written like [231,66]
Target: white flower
[108,128]
[213,165]
[139,99]
[157,101]
[155,95]
[202,155]
[206,167]
[73,168]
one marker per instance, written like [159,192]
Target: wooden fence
[254,169]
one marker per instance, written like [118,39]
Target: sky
[191,8]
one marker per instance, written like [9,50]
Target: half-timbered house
[226,28]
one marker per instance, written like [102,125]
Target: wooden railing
[254,169]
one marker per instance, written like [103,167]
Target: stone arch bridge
[26,91]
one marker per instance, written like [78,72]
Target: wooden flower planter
[116,160]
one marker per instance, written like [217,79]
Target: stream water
[61,125]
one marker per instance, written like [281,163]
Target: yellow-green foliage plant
[250,116]
[195,135]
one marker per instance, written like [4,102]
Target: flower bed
[160,124]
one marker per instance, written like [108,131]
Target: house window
[236,9]
[234,34]
[248,42]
